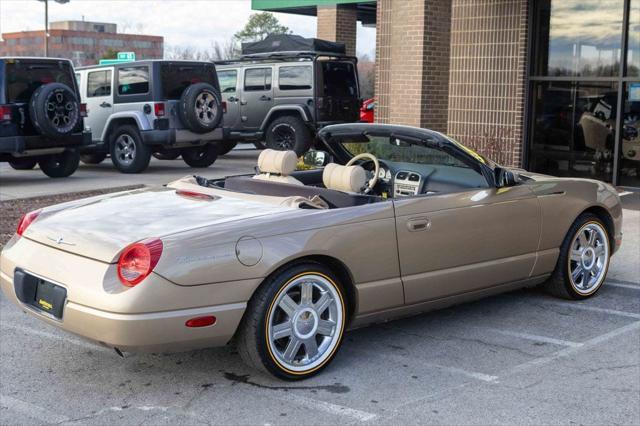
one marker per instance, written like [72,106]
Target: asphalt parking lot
[518,358]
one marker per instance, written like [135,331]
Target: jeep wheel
[226,146]
[200,156]
[128,153]
[288,133]
[167,155]
[95,158]
[54,110]
[200,108]
[60,165]
[23,163]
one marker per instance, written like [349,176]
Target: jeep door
[257,96]
[99,100]
[228,79]
[337,91]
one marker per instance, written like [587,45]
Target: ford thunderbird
[384,221]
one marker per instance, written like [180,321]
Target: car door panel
[257,96]
[455,243]
[98,95]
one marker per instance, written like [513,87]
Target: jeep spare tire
[54,110]
[200,108]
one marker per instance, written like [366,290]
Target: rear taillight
[193,194]
[158,109]
[27,220]
[224,107]
[83,110]
[138,260]
[5,113]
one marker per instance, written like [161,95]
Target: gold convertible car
[385,221]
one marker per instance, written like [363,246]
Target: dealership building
[549,85]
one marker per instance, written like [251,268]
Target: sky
[195,23]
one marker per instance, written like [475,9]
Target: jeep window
[133,80]
[99,83]
[228,80]
[338,79]
[24,78]
[294,78]
[256,79]
[175,78]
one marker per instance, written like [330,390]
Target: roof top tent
[284,44]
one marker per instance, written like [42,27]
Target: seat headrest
[344,178]
[281,162]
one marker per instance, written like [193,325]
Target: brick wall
[487,76]
[412,55]
[338,23]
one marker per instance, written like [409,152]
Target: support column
[412,62]
[338,23]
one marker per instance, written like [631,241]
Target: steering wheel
[372,182]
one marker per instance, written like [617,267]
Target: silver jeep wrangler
[164,108]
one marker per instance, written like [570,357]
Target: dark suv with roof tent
[41,117]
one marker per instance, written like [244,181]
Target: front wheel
[294,323]
[583,261]
[60,165]
[23,163]
[288,133]
[128,153]
[200,156]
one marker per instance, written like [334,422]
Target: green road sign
[127,56]
[112,61]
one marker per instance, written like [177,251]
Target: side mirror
[504,177]
[316,158]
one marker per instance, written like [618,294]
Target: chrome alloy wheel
[206,107]
[125,149]
[589,258]
[305,322]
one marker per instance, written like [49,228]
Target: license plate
[41,294]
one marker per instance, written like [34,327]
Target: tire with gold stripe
[295,322]
[583,261]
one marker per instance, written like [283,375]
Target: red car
[367,109]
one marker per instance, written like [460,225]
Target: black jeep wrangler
[41,117]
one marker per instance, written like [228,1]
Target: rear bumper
[32,145]
[149,317]
[180,138]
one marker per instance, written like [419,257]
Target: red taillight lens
[27,220]
[224,107]
[83,110]
[138,260]
[192,194]
[158,109]
[5,113]
[201,321]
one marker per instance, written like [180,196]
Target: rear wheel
[60,165]
[200,156]
[294,323]
[93,158]
[226,146]
[288,133]
[583,261]
[23,163]
[128,153]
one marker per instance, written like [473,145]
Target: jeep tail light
[83,110]
[158,109]
[138,260]
[224,107]
[5,113]
[27,220]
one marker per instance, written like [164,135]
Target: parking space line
[536,338]
[31,410]
[328,407]
[52,336]
[573,350]
[585,307]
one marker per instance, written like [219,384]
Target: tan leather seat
[276,166]
[344,178]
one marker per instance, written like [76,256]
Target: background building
[81,41]
[549,85]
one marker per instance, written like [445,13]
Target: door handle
[232,99]
[105,105]
[421,224]
[265,98]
